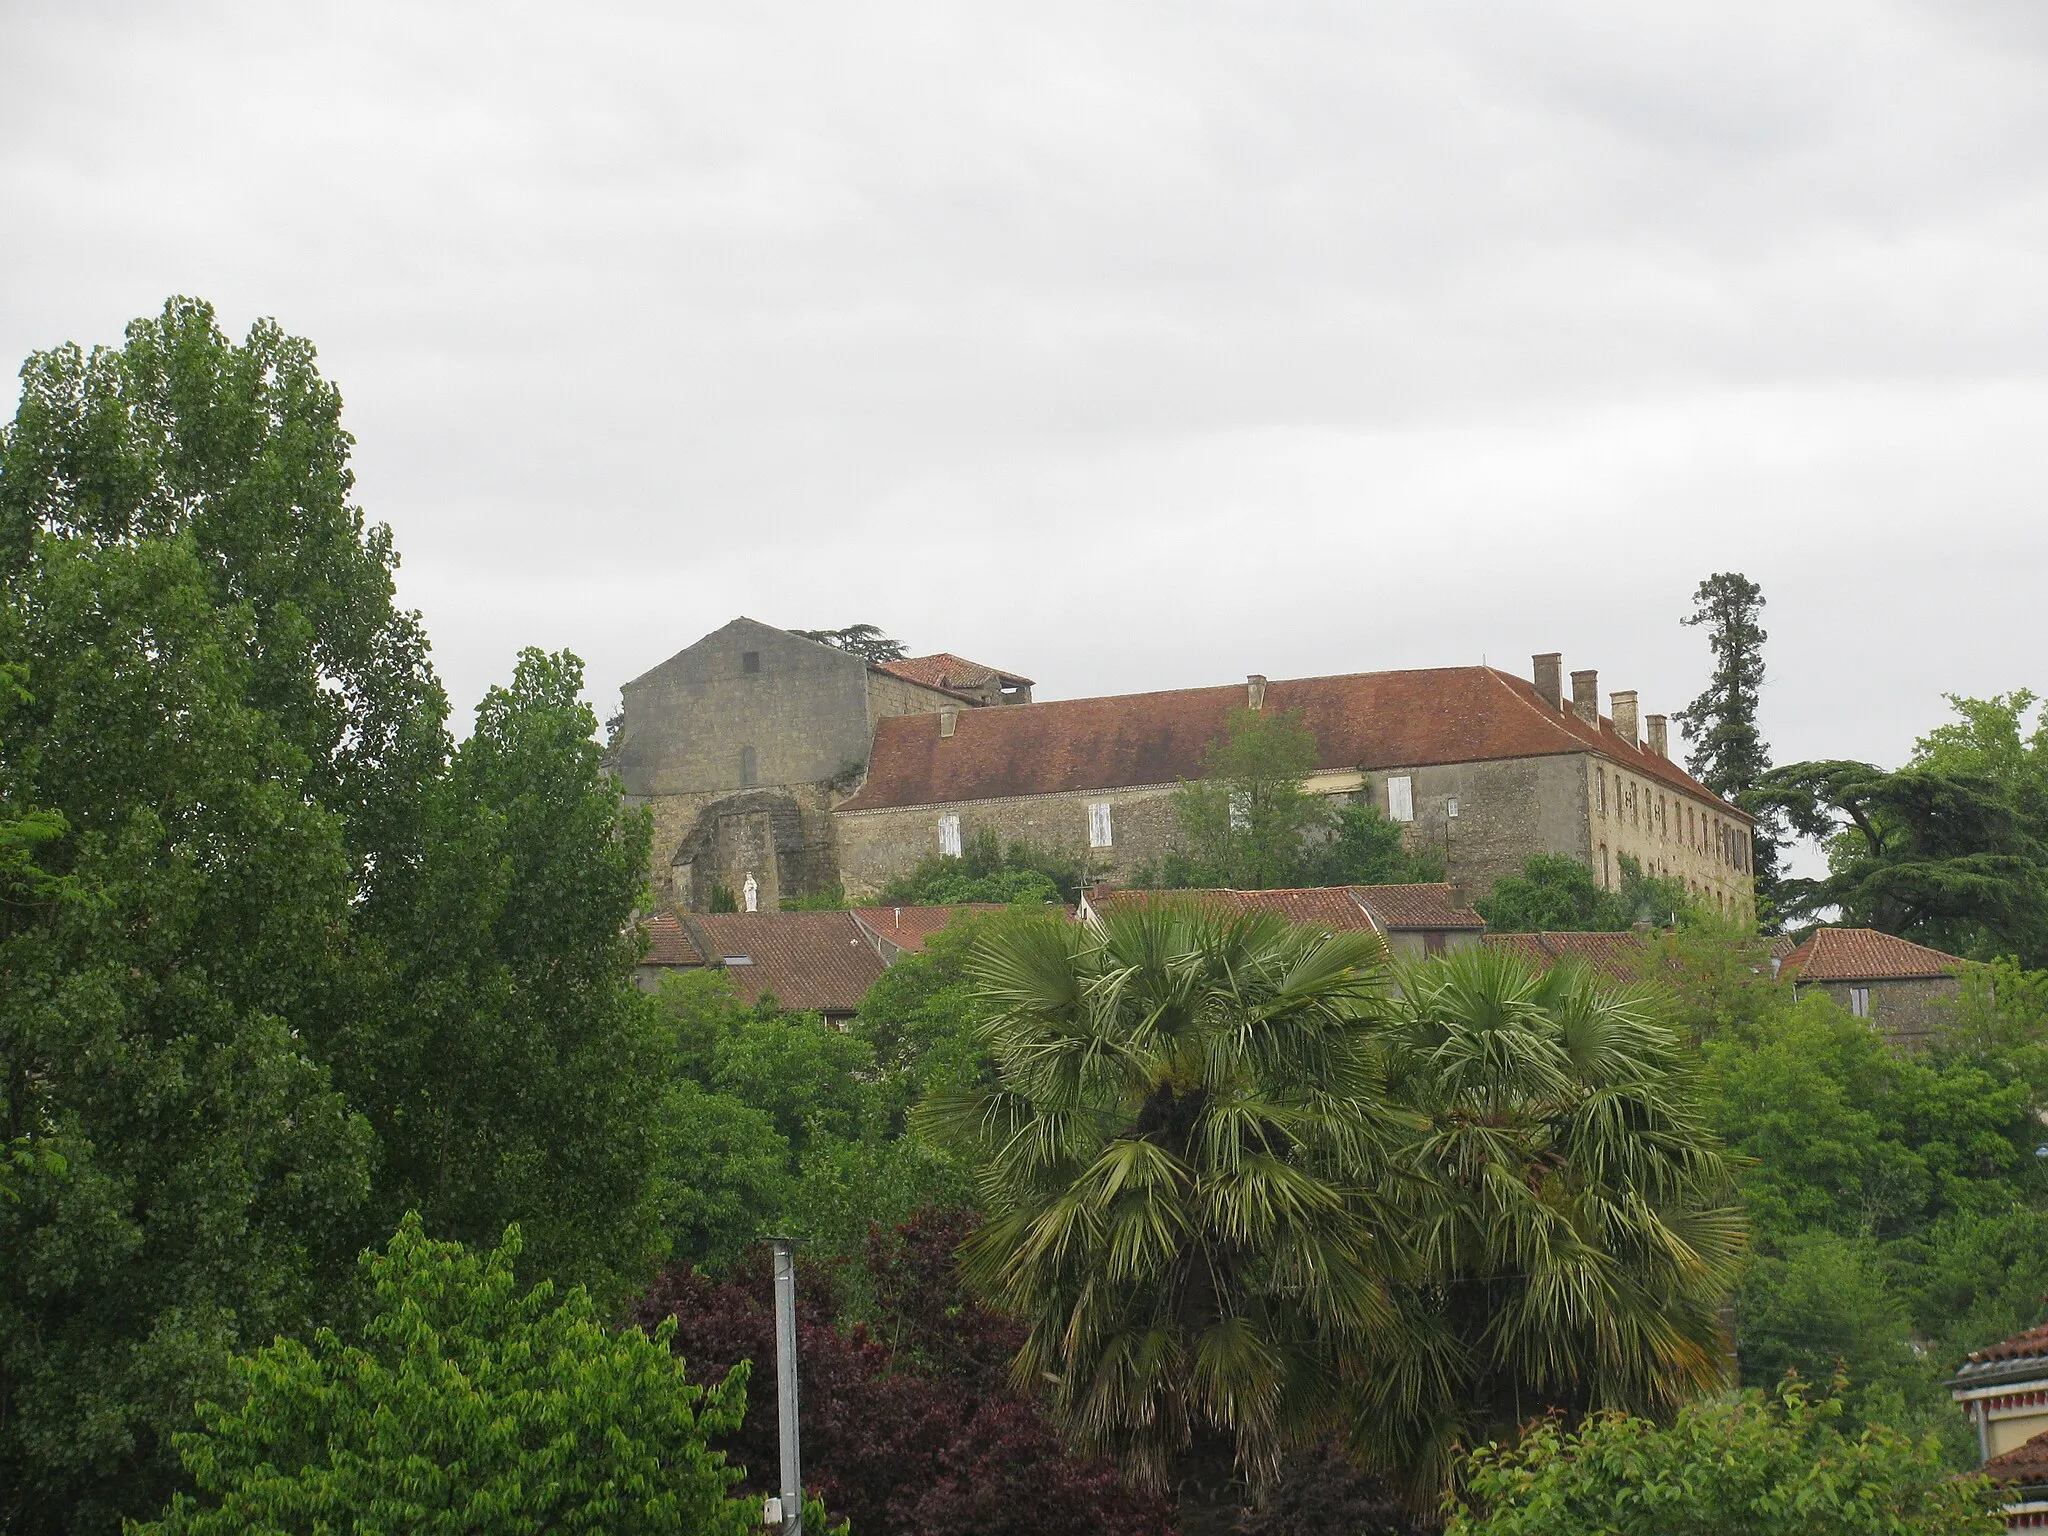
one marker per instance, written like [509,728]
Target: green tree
[1991,741]
[987,872]
[1246,821]
[863,640]
[1364,848]
[510,1072]
[1571,1206]
[1729,753]
[464,1406]
[1556,894]
[189,1169]
[1947,859]
[1760,1466]
[1180,1162]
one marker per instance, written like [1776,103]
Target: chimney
[1660,743]
[1625,717]
[1550,678]
[1255,691]
[948,716]
[1586,696]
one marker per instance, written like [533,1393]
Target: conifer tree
[1729,754]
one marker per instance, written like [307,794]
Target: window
[750,768]
[1606,875]
[1859,1002]
[750,662]
[1098,824]
[1401,798]
[949,836]
[1600,790]
[1432,942]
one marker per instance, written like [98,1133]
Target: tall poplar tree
[1729,754]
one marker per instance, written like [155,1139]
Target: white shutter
[1099,830]
[949,836]
[1401,798]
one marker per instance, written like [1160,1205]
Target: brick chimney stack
[1549,676]
[1255,691]
[1625,717]
[1659,741]
[1586,696]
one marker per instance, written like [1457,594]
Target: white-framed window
[1100,832]
[1859,1002]
[1400,798]
[949,836]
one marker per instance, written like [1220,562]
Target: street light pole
[785,1385]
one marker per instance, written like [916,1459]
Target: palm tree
[1572,1211]
[1182,1156]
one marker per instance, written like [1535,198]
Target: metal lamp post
[791,1503]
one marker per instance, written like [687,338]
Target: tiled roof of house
[943,669]
[818,961]
[1331,907]
[1416,906]
[2028,1344]
[2026,1463]
[907,928]
[1387,908]
[668,942]
[1368,720]
[1613,955]
[1864,954]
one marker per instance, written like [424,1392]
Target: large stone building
[741,743]
[1477,765]
[765,755]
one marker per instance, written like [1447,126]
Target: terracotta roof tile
[1864,954]
[1368,720]
[1331,907]
[668,942]
[2024,1463]
[1416,906]
[819,961]
[1613,955]
[907,928]
[943,669]
[2028,1344]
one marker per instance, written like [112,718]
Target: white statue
[753,894]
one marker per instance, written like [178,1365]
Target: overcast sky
[1125,346]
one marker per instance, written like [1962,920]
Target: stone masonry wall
[1669,833]
[1507,810]
[1906,1012]
[691,722]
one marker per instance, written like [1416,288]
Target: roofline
[1998,1373]
[1570,741]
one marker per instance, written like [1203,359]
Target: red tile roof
[1385,908]
[1416,906]
[908,927]
[2029,1344]
[668,942]
[943,669]
[1369,720]
[819,961]
[1329,907]
[2025,1463]
[1613,955]
[1864,954]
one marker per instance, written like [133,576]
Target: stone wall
[1908,1012]
[693,723]
[877,846]
[1669,833]
[1507,810]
